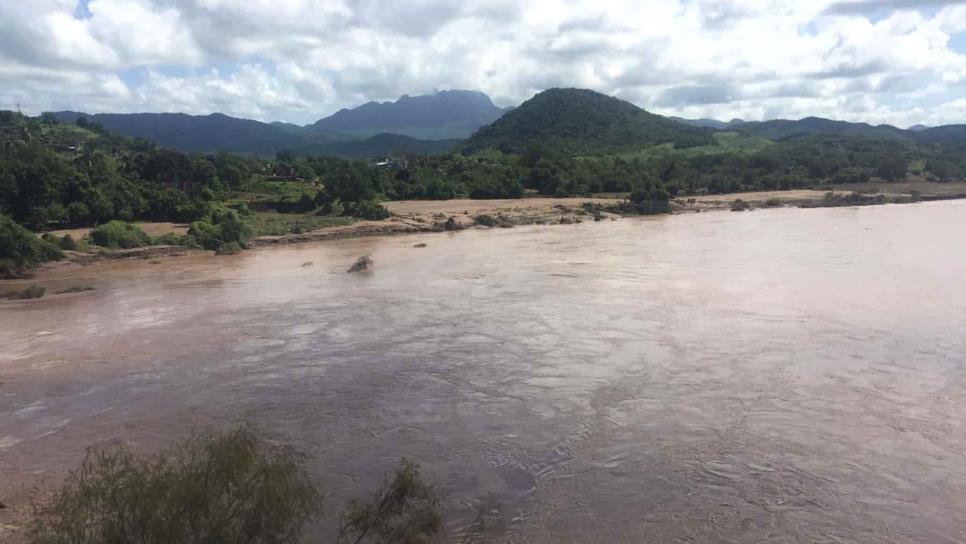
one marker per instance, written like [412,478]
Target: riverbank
[425,216]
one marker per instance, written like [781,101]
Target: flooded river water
[776,376]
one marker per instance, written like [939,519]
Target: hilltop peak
[442,114]
[584,121]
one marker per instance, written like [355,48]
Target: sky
[901,62]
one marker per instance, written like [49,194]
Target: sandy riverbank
[417,216]
[152,229]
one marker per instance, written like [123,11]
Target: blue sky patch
[957,42]
[82,11]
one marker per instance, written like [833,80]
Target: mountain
[582,122]
[427,122]
[195,133]
[783,129]
[780,129]
[216,132]
[443,115]
[380,145]
[709,123]
[946,134]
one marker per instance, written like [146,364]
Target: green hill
[582,122]
[782,129]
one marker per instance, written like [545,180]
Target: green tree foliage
[227,488]
[562,142]
[220,225]
[118,234]
[405,510]
[20,249]
[367,209]
[78,176]
[649,198]
[582,122]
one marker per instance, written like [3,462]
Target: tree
[20,249]
[232,176]
[405,510]
[285,156]
[217,489]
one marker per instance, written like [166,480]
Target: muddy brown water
[776,376]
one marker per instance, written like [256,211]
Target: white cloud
[298,60]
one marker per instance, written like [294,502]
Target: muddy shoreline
[433,216]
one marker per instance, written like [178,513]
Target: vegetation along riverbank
[93,195]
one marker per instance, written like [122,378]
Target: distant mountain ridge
[782,129]
[420,124]
[709,123]
[575,120]
[195,133]
[442,115]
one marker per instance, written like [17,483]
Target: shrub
[78,212]
[20,249]
[740,206]
[368,209]
[332,208]
[226,225]
[34,291]
[228,248]
[648,199]
[302,203]
[404,510]
[118,234]
[485,220]
[206,234]
[66,243]
[232,228]
[172,239]
[225,488]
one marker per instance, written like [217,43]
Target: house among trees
[390,164]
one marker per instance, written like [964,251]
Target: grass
[280,224]
[725,142]
[262,186]
[906,187]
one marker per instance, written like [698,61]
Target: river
[781,375]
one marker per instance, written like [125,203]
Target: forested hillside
[582,122]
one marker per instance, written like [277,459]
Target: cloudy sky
[900,61]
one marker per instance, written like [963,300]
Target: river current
[781,375]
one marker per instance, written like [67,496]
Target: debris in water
[361,265]
[34,291]
[77,289]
